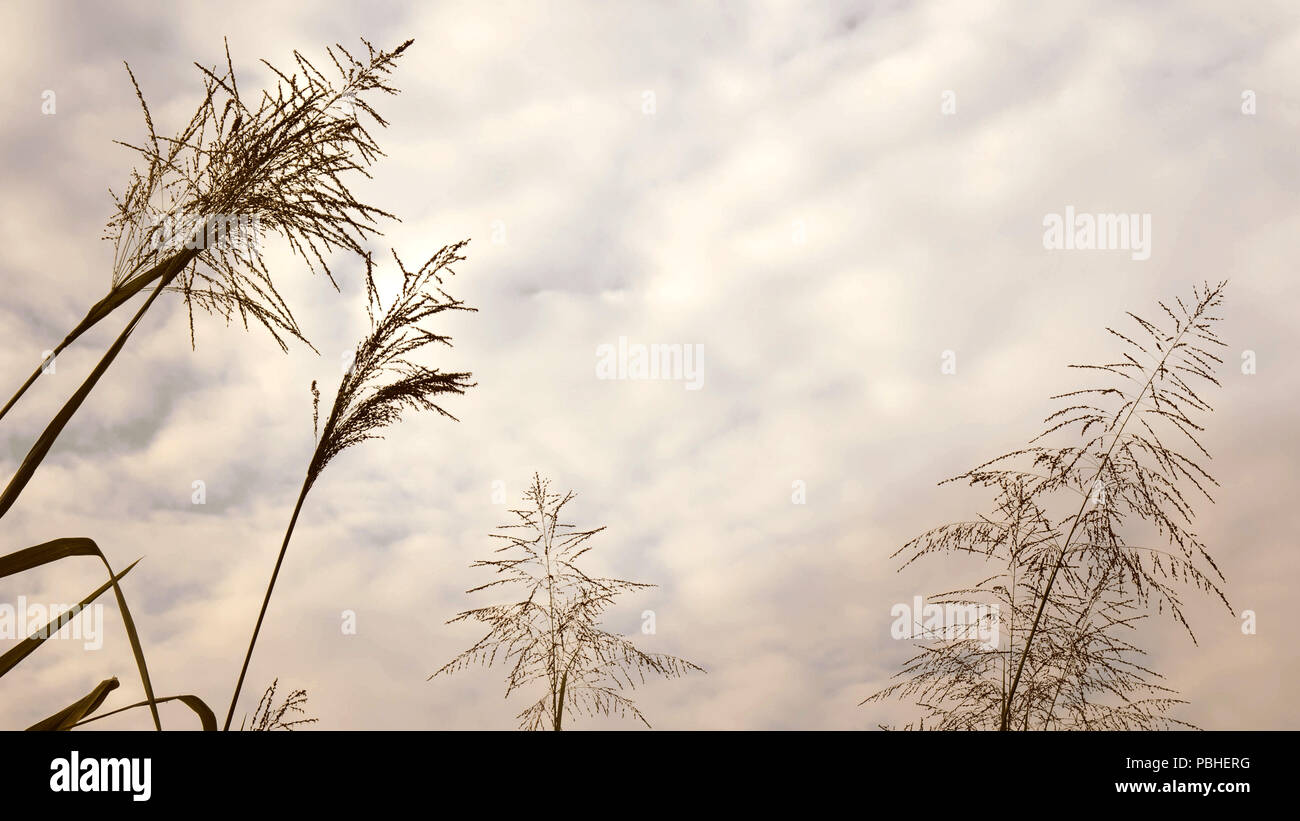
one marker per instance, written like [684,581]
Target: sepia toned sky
[776,182]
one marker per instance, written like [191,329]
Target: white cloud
[921,233]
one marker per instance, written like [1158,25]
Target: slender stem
[1051,708]
[1056,568]
[266,600]
[559,712]
[1011,632]
[314,469]
[35,375]
[564,681]
[547,534]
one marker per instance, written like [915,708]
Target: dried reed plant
[382,382]
[284,164]
[552,634]
[282,160]
[1073,586]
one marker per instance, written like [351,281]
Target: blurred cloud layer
[775,182]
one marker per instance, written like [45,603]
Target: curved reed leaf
[28,645]
[207,718]
[57,549]
[66,718]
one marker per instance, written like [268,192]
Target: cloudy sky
[825,197]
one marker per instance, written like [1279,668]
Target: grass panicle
[287,715]
[1091,537]
[550,635]
[383,382]
[193,215]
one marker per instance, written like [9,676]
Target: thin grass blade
[66,718]
[57,549]
[28,645]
